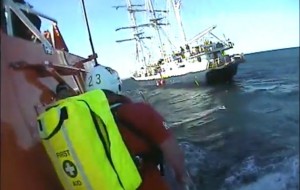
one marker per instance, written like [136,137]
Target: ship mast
[153,20]
[155,23]
[137,35]
[176,7]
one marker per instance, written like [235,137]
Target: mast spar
[137,35]
[153,21]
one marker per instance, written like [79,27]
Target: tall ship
[158,56]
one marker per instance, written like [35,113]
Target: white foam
[194,156]
[198,116]
[251,89]
[246,171]
[283,176]
[274,181]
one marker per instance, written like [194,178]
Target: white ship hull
[201,75]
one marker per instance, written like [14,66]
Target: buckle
[138,161]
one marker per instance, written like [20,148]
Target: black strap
[101,137]
[63,116]
[158,158]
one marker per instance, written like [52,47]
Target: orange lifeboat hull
[24,162]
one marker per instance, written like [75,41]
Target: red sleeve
[145,119]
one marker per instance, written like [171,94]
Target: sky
[253,26]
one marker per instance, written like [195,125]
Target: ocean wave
[251,89]
[188,97]
[249,176]
[198,116]
[274,86]
[211,170]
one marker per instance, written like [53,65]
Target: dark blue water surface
[241,135]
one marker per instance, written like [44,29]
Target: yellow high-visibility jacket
[84,144]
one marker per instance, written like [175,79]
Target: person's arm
[174,157]
[149,122]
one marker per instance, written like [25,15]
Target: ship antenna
[89,32]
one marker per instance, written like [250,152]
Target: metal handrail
[9,6]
